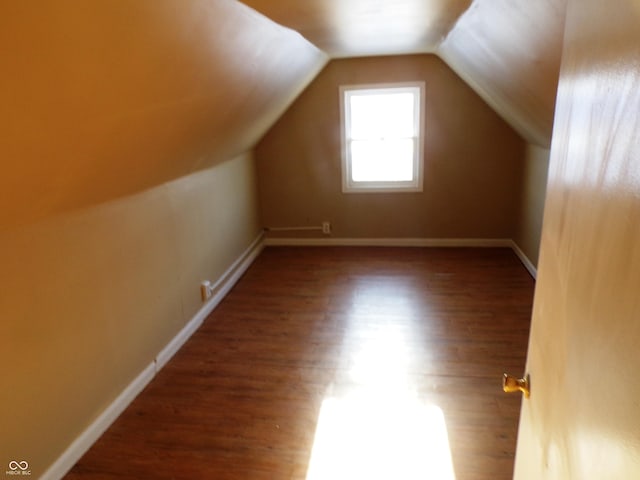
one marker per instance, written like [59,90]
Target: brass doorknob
[512,384]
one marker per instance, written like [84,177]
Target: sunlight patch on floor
[358,438]
[372,425]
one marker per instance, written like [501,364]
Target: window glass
[382,137]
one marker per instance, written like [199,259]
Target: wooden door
[582,420]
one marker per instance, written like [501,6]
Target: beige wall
[473,161]
[89,298]
[532,196]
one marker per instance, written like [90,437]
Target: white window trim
[415,185]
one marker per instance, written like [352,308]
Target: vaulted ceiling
[355,28]
[103,99]
[508,51]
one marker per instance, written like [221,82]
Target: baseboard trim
[220,288]
[88,437]
[404,242]
[389,242]
[528,264]
[92,433]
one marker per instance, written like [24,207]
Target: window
[382,130]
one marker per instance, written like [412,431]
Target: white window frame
[415,185]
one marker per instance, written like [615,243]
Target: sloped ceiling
[103,99]
[508,51]
[356,28]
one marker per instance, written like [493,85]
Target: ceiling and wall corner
[508,51]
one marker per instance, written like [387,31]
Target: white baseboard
[528,264]
[86,439]
[404,242]
[390,242]
[220,289]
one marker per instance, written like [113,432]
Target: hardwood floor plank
[242,398]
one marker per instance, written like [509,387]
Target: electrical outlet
[326,228]
[206,290]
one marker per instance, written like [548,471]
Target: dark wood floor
[241,399]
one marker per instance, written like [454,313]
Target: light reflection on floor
[372,425]
[358,437]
